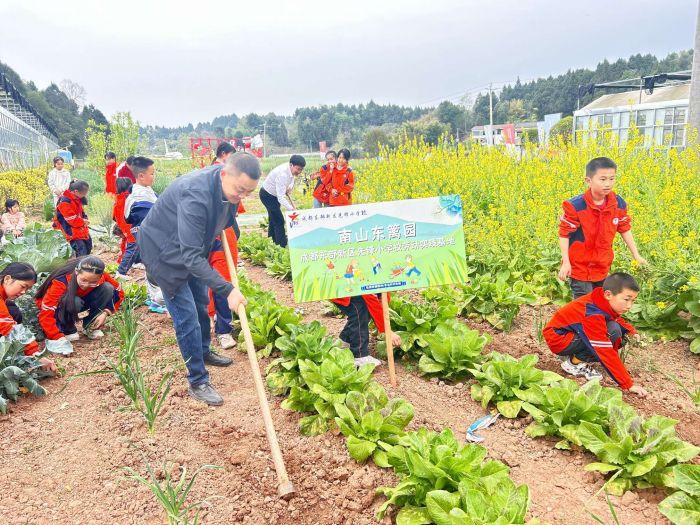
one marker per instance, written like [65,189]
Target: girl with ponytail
[80,286]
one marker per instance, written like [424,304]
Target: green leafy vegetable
[412,321]
[303,342]
[17,372]
[269,320]
[453,349]
[44,248]
[325,385]
[371,424]
[505,381]
[642,450]
[558,409]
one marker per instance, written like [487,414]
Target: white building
[660,117]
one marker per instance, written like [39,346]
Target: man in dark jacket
[175,239]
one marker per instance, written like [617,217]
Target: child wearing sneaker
[590,329]
[81,287]
[359,309]
[588,227]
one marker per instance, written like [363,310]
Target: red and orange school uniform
[591,231]
[48,304]
[587,318]
[342,180]
[7,323]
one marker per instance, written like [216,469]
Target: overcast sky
[176,62]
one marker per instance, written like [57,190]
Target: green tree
[450,114]
[373,139]
[562,129]
[96,139]
[123,135]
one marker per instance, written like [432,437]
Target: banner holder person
[284,485]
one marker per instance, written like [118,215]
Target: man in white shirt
[276,192]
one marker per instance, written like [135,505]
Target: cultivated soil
[63,455]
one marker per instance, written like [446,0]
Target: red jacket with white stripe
[591,231]
[7,323]
[48,304]
[71,217]
[587,317]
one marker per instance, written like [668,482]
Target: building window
[678,136]
[625,119]
[679,117]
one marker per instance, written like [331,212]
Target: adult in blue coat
[175,239]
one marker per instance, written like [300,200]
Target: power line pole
[694,105]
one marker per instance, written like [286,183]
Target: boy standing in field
[136,207]
[590,329]
[588,226]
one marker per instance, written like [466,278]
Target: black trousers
[95,302]
[579,350]
[356,331]
[275,228]
[81,247]
[581,288]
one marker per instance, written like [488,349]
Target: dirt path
[64,454]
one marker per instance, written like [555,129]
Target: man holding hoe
[175,240]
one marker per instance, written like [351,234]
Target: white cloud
[177,62]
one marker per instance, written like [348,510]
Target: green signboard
[372,248]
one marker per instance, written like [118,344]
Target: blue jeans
[188,308]
[131,256]
[413,270]
[223,315]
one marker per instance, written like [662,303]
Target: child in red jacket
[122,229]
[111,173]
[588,226]
[342,181]
[72,219]
[322,191]
[590,329]
[82,285]
[15,279]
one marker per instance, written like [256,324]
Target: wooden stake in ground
[284,485]
[387,335]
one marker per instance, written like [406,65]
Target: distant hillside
[61,112]
[523,101]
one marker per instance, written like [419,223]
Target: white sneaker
[226,341]
[581,369]
[367,360]
[122,277]
[94,334]
[241,264]
[73,337]
[138,266]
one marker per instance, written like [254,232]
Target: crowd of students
[203,206]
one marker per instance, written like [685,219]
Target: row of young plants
[440,479]
[637,452]
[146,395]
[261,251]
